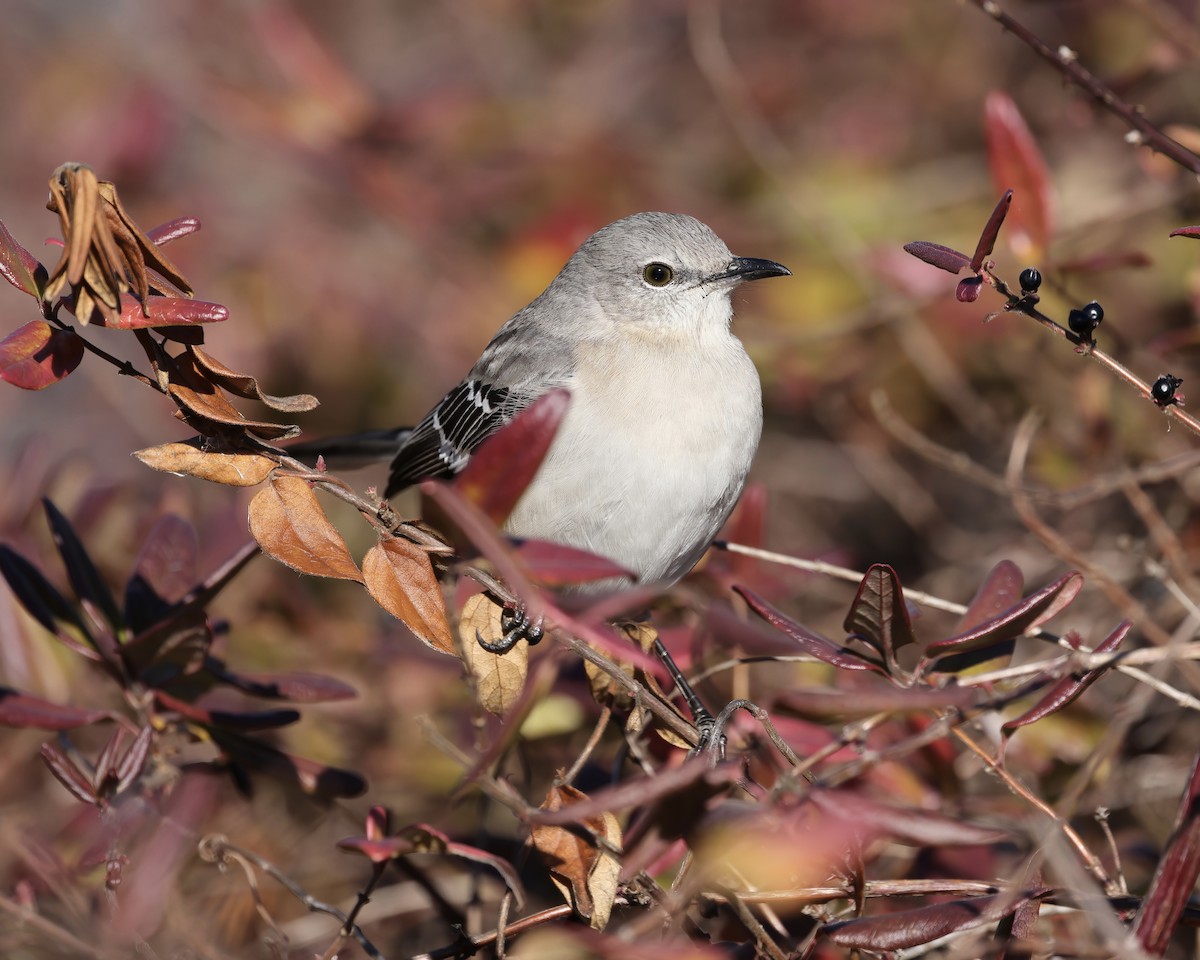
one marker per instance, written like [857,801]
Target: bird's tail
[353,450]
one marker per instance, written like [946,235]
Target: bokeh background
[381,184]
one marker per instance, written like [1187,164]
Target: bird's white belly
[650,458]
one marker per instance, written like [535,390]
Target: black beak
[751,268]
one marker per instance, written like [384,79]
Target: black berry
[1030,279]
[1080,324]
[1094,312]
[1163,391]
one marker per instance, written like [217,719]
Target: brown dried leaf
[244,385]
[585,872]
[399,576]
[499,678]
[200,399]
[188,459]
[287,521]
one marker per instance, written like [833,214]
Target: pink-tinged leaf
[555,565]
[378,822]
[166,312]
[979,644]
[809,641]
[134,761]
[1068,689]
[503,466]
[1101,262]
[1193,232]
[911,928]
[163,573]
[23,710]
[173,230]
[1015,161]
[20,267]
[68,774]
[824,703]
[292,687]
[36,355]
[934,254]
[905,825]
[379,850]
[878,614]
[968,289]
[1176,873]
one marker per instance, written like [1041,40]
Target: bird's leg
[701,716]
[517,626]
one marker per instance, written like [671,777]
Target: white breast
[652,455]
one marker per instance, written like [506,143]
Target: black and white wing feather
[442,443]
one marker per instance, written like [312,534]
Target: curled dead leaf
[499,678]
[582,862]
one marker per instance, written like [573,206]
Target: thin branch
[1066,62]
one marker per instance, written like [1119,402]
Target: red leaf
[20,267]
[1068,689]
[1193,232]
[991,230]
[1001,589]
[944,258]
[37,355]
[878,614]
[1176,873]
[555,565]
[503,466]
[911,928]
[968,649]
[810,642]
[968,289]
[1015,161]
[166,312]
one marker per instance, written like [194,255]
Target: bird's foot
[517,626]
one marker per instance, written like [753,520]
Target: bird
[665,410]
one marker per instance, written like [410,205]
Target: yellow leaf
[187,459]
[499,678]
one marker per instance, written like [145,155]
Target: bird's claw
[517,626]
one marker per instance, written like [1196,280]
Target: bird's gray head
[660,270]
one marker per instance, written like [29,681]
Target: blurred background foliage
[381,184]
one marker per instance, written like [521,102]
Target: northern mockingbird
[666,407]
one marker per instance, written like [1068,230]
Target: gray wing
[442,443]
[526,358]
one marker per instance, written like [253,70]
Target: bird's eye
[658,274]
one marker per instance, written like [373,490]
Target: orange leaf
[289,525]
[399,577]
